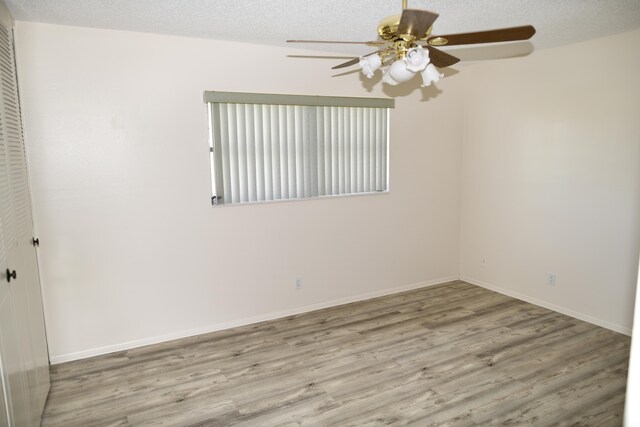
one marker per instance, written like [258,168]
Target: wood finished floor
[452,354]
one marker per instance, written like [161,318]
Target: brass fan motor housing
[388,28]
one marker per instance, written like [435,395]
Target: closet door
[28,296]
[23,351]
[14,380]
[4,416]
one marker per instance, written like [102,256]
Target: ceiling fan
[407,45]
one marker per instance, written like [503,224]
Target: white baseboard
[581,316]
[242,322]
[305,309]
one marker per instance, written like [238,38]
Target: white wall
[551,177]
[131,250]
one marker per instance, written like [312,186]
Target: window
[278,147]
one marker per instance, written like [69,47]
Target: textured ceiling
[273,21]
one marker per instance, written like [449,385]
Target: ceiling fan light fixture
[431,75]
[417,59]
[397,73]
[369,64]
[400,37]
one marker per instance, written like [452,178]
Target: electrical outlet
[551,279]
[483,262]
[298,282]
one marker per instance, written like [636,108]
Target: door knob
[11,275]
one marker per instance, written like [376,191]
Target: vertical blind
[262,152]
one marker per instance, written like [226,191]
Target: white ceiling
[273,21]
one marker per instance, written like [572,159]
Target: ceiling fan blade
[353,61]
[441,59]
[492,36]
[416,22]
[320,56]
[349,63]
[369,43]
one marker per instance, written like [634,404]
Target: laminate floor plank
[452,354]
[551,398]
[379,313]
[90,411]
[390,406]
[458,407]
[439,294]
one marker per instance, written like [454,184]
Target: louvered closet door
[14,380]
[23,294]
[30,296]
[12,348]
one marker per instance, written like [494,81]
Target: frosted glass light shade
[417,59]
[369,64]
[431,75]
[397,73]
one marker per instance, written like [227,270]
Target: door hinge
[36,242]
